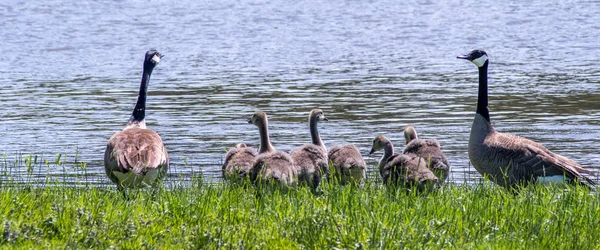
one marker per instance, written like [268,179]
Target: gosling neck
[388,151]
[314,132]
[265,143]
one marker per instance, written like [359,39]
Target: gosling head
[477,57]
[259,119]
[240,145]
[410,133]
[378,143]
[152,58]
[318,115]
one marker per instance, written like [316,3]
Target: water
[70,73]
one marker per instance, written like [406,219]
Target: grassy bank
[217,215]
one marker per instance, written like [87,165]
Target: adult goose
[137,157]
[509,160]
[238,162]
[271,165]
[311,159]
[409,170]
[430,150]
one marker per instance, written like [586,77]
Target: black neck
[139,112]
[314,132]
[482,99]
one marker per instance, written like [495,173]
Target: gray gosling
[430,150]
[348,165]
[311,159]
[407,170]
[238,162]
[271,165]
[137,157]
[512,161]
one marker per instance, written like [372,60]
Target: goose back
[349,165]
[430,150]
[408,170]
[238,161]
[133,153]
[275,166]
[512,160]
[312,163]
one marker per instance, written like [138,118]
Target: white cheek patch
[480,61]
[156,58]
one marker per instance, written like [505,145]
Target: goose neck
[482,99]
[314,133]
[139,112]
[265,143]
[388,151]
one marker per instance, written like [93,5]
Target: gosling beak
[372,151]
[250,121]
[325,119]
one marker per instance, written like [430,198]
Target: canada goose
[136,156]
[409,170]
[311,159]
[271,164]
[238,161]
[510,160]
[348,164]
[429,149]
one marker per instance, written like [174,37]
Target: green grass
[209,215]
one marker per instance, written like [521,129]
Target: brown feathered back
[430,150]
[348,163]
[311,161]
[408,170]
[238,161]
[277,166]
[137,150]
[517,160]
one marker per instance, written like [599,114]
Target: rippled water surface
[70,72]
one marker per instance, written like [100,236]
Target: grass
[204,214]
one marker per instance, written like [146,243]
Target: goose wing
[135,149]
[309,154]
[407,168]
[346,156]
[239,159]
[429,148]
[278,166]
[532,160]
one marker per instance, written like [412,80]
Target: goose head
[259,119]
[152,58]
[477,57]
[318,114]
[410,133]
[378,143]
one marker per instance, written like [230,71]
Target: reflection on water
[70,73]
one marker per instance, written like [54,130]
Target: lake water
[70,72]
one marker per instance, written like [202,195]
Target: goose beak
[466,57]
